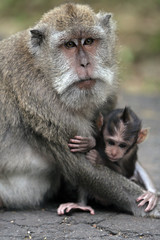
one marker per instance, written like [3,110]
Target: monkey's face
[115,146]
[115,150]
[78,54]
[81,74]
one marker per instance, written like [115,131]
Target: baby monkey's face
[115,149]
[115,145]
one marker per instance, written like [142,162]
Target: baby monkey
[116,146]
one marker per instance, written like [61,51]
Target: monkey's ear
[104,18]
[37,37]
[99,121]
[125,115]
[142,135]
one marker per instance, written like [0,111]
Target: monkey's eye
[111,142]
[70,44]
[122,145]
[88,41]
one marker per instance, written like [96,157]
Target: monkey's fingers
[92,161]
[93,151]
[78,148]
[92,155]
[149,197]
[82,142]
[83,208]
[91,158]
[75,141]
[151,202]
[141,197]
[82,138]
[151,205]
[84,150]
[79,139]
[67,207]
[77,145]
[87,208]
[89,141]
[62,207]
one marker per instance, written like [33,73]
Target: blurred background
[138,24]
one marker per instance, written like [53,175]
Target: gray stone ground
[44,224]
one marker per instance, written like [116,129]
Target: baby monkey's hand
[81,144]
[94,157]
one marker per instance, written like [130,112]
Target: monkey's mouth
[86,83]
[113,159]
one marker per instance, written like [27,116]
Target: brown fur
[69,15]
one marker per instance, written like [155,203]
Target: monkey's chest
[78,126]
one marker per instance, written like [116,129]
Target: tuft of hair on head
[131,122]
[125,117]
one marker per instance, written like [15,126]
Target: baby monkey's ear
[142,135]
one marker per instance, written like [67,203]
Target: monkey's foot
[67,207]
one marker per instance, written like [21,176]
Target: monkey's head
[76,50]
[121,132]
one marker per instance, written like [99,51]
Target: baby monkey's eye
[70,44]
[111,142]
[122,145]
[88,41]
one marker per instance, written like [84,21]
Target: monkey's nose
[84,65]
[113,154]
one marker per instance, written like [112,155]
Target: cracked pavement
[45,224]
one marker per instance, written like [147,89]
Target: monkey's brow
[84,31]
[94,32]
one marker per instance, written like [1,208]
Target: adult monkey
[54,78]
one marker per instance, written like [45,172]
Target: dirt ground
[44,224]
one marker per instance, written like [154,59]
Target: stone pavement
[44,224]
